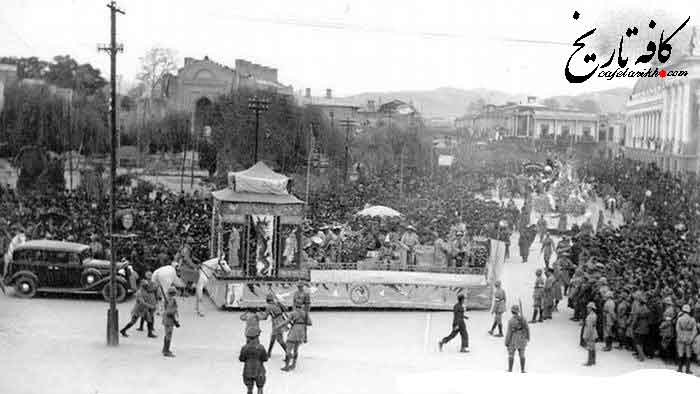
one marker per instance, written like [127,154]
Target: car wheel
[25,287]
[120,292]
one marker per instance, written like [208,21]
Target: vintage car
[64,267]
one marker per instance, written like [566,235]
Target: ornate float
[256,227]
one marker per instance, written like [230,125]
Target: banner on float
[445,160]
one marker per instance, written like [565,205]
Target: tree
[207,157]
[155,64]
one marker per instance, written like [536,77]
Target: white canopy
[379,210]
[258,179]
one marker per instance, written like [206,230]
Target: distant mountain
[443,102]
[447,102]
[611,100]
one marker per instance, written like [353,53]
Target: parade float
[257,227]
[564,200]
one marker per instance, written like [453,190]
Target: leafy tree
[155,64]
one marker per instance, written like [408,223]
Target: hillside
[611,100]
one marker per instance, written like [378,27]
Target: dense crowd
[641,274]
[163,223]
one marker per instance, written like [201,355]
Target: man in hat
[622,316]
[686,331]
[639,319]
[609,318]
[274,310]
[252,318]
[96,246]
[547,246]
[499,306]
[667,328]
[170,320]
[302,299]
[590,335]
[142,309]
[541,227]
[537,296]
[253,356]
[153,296]
[548,294]
[517,337]
[297,335]
[458,326]
[409,240]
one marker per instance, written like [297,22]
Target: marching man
[170,320]
[499,306]
[297,335]
[273,309]
[302,300]
[517,337]
[458,326]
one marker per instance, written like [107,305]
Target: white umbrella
[379,210]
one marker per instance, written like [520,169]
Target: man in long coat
[517,337]
[537,295]
[548,295]
[609,319]
[686,331]
[499,306]
[547,246]
[590,334]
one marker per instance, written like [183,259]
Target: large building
[662,116]
[532,120]
[335,110]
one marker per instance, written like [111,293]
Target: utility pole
[113,49]
[257,105]
[348,124]
[312,147]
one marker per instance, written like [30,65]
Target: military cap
[538,271]
[686,308]
[252,332]
[172,290]
[515,309]
[591,305]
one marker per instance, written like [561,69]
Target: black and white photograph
[355,196]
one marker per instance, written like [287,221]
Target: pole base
[113,327]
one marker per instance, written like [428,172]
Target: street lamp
[257,105]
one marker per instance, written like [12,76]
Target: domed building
[662,116]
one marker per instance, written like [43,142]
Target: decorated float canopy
[256,224]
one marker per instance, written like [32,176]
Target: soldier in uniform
[547,246]
[548,295]
[686,330]
[609,318]
[639,320]
[541,227]
[517,337]
[142,309]
[252,319]
[590,334]
[303,300]
[275,311]
[253,356]
[458,326]
[537,296]
[622,315]
[170,320]
[297,335]
[153,295]
[499,306]
[667,328]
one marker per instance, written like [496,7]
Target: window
[565,131]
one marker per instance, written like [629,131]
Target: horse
[206,271]
[166,276]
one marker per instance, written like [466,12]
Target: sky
[515,46]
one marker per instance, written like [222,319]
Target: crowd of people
[643,276]
[163,223]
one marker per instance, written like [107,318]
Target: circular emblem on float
[127,220]
[359,294]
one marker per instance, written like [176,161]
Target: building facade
[533,121]
[662,117]
[334,110]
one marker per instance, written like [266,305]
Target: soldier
[666,329]
[639,320]
[590,335]
[303,301]
[273,309]
[537,296]
[541,227]
[458,326]
[548,295]
[517,337]
[547,246]
[153,295]
[253,356]
[499,306]
[297,335]
[170,319]
[609,318]
[142,309]
[252,318]
[686,330]
[622,315]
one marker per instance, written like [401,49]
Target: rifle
[278,303]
